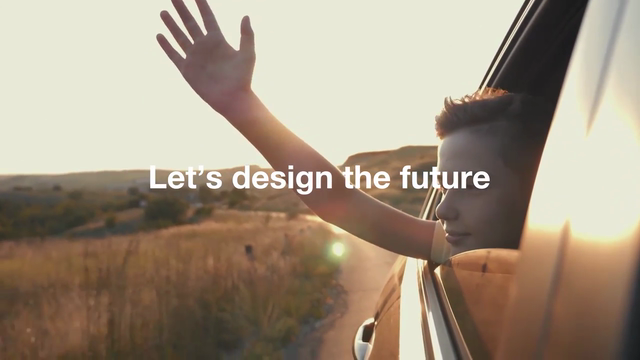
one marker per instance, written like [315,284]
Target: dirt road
[364,271]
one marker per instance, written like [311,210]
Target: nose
[446,210]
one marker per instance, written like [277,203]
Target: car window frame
[437,343]
[518,26]
[431,290]
[432,295]
[431,281]
[428,205]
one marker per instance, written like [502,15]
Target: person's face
[479,218]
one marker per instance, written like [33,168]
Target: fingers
[247,41]
[189,22]
[175,30]
[173,55]
[208,18]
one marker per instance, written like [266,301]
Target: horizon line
[2,174]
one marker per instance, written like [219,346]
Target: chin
[460,248]
[455,250]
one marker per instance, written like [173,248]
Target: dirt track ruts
[363,274]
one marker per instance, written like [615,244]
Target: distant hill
[98,180]
[421,158]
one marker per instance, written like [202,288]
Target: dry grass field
[187,292]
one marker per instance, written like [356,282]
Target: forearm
[350,209]
[282,148]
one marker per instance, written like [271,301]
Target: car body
[572,290]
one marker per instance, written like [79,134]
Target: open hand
[213,68]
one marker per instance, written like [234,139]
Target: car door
[397,329]
[571,292]
[576,293]
[380,336]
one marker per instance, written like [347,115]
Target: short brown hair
[521,121]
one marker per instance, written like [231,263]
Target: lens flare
[337,249]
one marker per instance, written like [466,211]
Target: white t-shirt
[440,248]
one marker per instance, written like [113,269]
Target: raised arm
[221,76]
[350,209]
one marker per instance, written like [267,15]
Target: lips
[455,237]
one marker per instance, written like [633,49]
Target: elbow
[331,206]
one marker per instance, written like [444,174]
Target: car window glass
[436,201]
[475,286]
[427,206]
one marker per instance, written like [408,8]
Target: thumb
[247,44]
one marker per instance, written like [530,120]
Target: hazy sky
[85,85]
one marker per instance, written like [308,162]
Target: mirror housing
[363,341]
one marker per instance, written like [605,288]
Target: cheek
[511,209]
[491,207]
[481,208]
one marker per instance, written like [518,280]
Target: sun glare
[338,249]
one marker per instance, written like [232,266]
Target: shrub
[237,197]
[133,203]
[22,188]
[204,211]
[76,195]
[110,221]
[133,191]
[205,195]
[72,213]
[166,210]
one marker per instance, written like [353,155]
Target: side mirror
[363,341]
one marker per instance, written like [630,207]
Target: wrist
[238,105]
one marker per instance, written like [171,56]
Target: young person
[492,131]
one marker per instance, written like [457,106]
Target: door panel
[386,344]
[387,333]
[391,291]
[605,231]
[577,250]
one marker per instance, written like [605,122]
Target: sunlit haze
[86,87]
